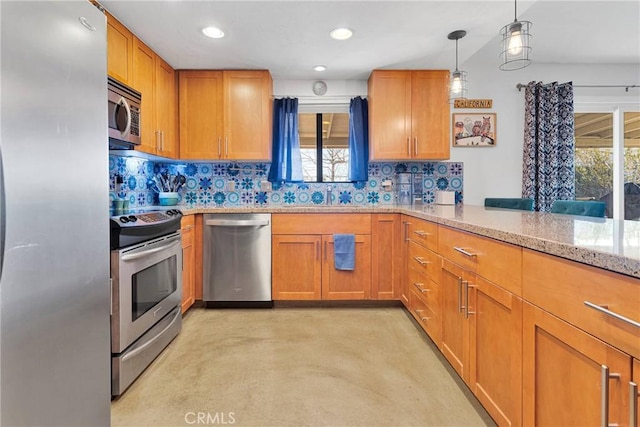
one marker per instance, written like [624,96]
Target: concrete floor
[299,367]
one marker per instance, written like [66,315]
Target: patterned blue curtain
[548,171]
[358,139]
[286,164]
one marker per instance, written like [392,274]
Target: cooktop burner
[131,229]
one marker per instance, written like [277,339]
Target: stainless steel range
[146,289]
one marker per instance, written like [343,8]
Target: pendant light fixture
[458,82]
[516,45]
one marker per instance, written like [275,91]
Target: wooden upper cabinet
[225,115]
[166,109]
[144,73]
[408,115]
[247,115]
[389,95]
[119,51]
[430,114]
[201,117]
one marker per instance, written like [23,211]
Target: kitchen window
[607,158]
[324,136]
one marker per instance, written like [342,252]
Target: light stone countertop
[610,244]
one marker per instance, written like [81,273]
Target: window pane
[307,133]
[594,157]
[335,147]
[632,166]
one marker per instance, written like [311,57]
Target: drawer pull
[604,378]
[420,287]
[421,260]
[424,319]
[612,314]
[633,404]
[421,233]
[463,252]
[406,230]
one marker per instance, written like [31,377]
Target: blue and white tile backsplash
[207,184]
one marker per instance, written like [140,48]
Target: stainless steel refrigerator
[54,277]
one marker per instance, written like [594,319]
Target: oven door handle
[152,340]
[147,252]
[237,222]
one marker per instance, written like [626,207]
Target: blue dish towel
[344,250]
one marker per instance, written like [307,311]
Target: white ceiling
[290,37]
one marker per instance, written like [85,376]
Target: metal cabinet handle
[236,222]
[423,318]
[325,250]
[421,260]
[463,252]
[604,397]
[409,146]
[406,230]
[420,287]
[633,404]
[612,314]
[219,147]
[317,248]
[467,313]
[415,145]
[421,233]
[459,294]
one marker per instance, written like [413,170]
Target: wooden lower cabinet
[455,330]
[296,267]
[386,257]
[634,395]
[564,375]
[403,288]
[303,269]
[188,262]
[495,350]
[347,285]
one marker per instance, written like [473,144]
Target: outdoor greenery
[594,170]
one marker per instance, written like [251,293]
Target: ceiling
[290,37]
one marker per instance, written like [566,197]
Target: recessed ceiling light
[320,67]
[213,32]
[341,33]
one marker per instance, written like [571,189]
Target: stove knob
[132,218]
[124,219]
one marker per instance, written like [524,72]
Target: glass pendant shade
[458,79]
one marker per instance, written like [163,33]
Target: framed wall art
[474,129]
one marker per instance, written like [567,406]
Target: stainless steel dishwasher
[237,260]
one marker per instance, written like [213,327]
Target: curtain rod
[520,86]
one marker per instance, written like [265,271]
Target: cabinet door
[403,289]
[564,380]
[166,109]
[429,114]
[634,404]
[390,115]
[188,265]
[119,51]
[201,116]
[495,351]
[385,256]
[347,285]
[296,267]
[455,330]
[144,73]
[247,115]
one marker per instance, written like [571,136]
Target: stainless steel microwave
[124,115]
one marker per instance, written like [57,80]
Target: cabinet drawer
[429,321]
[563,288]
[428,290]
[424,261]
[321,223]
[423,232]
[498,262]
